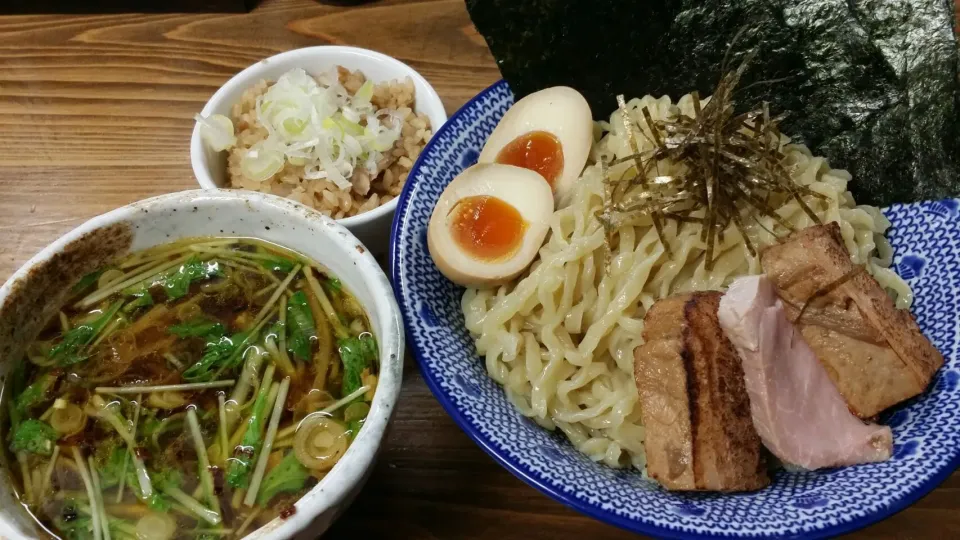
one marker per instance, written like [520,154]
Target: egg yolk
[538,151]
[487,228]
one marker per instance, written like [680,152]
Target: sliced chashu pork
[798,412]
[873,352]
[699,434]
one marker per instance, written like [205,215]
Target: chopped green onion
[316,124]
[217,131]
[364,93]
[348,127]
[294,125]
[260,163]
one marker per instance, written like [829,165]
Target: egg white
[521,188]
[560,111]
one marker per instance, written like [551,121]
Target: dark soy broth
[193,390]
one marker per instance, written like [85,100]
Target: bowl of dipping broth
[194,363]
[335,128]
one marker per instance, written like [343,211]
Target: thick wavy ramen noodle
[560,339]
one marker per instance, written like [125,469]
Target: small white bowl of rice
[334,128]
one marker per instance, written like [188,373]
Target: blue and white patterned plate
[807,505]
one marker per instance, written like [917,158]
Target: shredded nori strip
[735,168]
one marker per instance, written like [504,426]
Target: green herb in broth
[301,330]
[37,392]
[358,353]
[333,284]
[288,476]
[355,415]
[35,437]
[69,350]
[142,298]
[189,391]
[278,264]
[87,281]
[115,466]
[198,327]
[177,283]
[219,354]
[242,462]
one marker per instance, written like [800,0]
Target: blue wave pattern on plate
[811,504]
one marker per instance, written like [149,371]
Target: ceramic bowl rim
[341,481]
[435,110]
[529,476]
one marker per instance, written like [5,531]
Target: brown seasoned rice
[367,193]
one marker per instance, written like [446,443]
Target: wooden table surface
[95,112]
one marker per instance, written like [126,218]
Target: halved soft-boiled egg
[550,132]
[489,224]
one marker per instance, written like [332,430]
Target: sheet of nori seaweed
[870,84]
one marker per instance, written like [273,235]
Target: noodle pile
[560,339]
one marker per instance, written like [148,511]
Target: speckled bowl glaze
[820,504]
[36,291]
[373,227]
